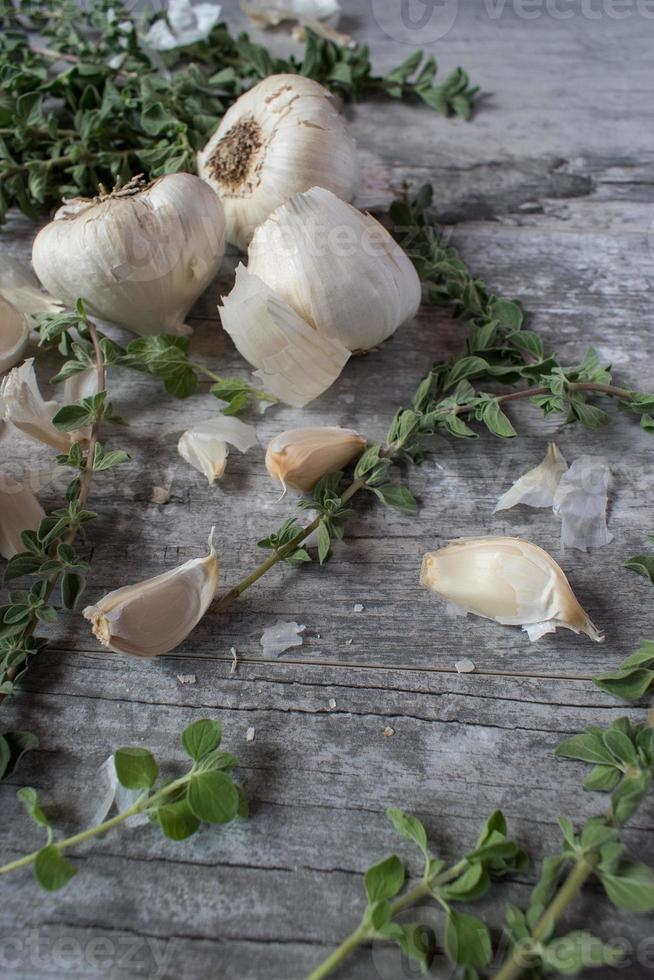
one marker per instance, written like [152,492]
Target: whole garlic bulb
[139,256]
[14,334]
[283,136]
[323,271]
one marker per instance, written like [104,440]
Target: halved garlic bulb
[283,136]
[508,580]
[300,457]
[152,617]
[139,256]
[14,334]
[19,511]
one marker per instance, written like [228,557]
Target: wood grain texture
[549,195]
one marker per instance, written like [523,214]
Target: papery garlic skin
[22,404]
[153,617]
[508,580]
[298,458]
[295,363]
[21,288]
[283,136]
[536,487]
[337,268]
[205,445]
[19,511]
[14,335]
[139,259]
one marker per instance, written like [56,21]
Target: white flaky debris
[452,611]
[358,607]
[537,487]
[464,666]
[332,702]
[182,23]
[234,666]
[186,678]
[249,735]
[535,630]
[113,795]
[280,637]
[581,500]
[388,731]
[348,643]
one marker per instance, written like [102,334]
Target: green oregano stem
[139,807]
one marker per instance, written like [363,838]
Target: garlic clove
[300,457]
[153,617]
[536,487]
[337,268]
[141,255]
[19,511]
[283,136]
[14,334]
[205,445]
[508,580]
[182,23]
[22,404]
[294,362]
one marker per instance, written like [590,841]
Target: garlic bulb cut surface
[536,487]
[300,457]
[337,268]
[14,334]
[283,136]
[205,445]
[153,617]
[295,363]
[22,404]
[140,256]
[19,511]
[508,580]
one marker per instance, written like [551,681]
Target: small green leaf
[384,880]
[72,587]
[30,800]
[643,564]
[588,747]
[631,887]
[212,796]
[470,885]
[496,421]
[398,496]
[324,542]
[13,746]
[467,940]
[177,820]
[202,737]
[51,869]
[136,768]
[409,828]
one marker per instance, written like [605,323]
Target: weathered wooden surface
[552,200]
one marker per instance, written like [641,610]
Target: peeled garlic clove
[337,268]
[14,335]
[295,363]
[508,580]
[300,457]
[153,617]
[22,404]
[536,487]
[283,136]
[140,256]
[19,511]
[205,445]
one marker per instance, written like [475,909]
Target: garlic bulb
[295,363]
[153,617]
[300,457]
[205,445]
[139,256]
[283,136]
[508,580]
[326,274]
[22,404]
[19,511]
[14,334]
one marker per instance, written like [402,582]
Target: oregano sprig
[88,102]
[205,793]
